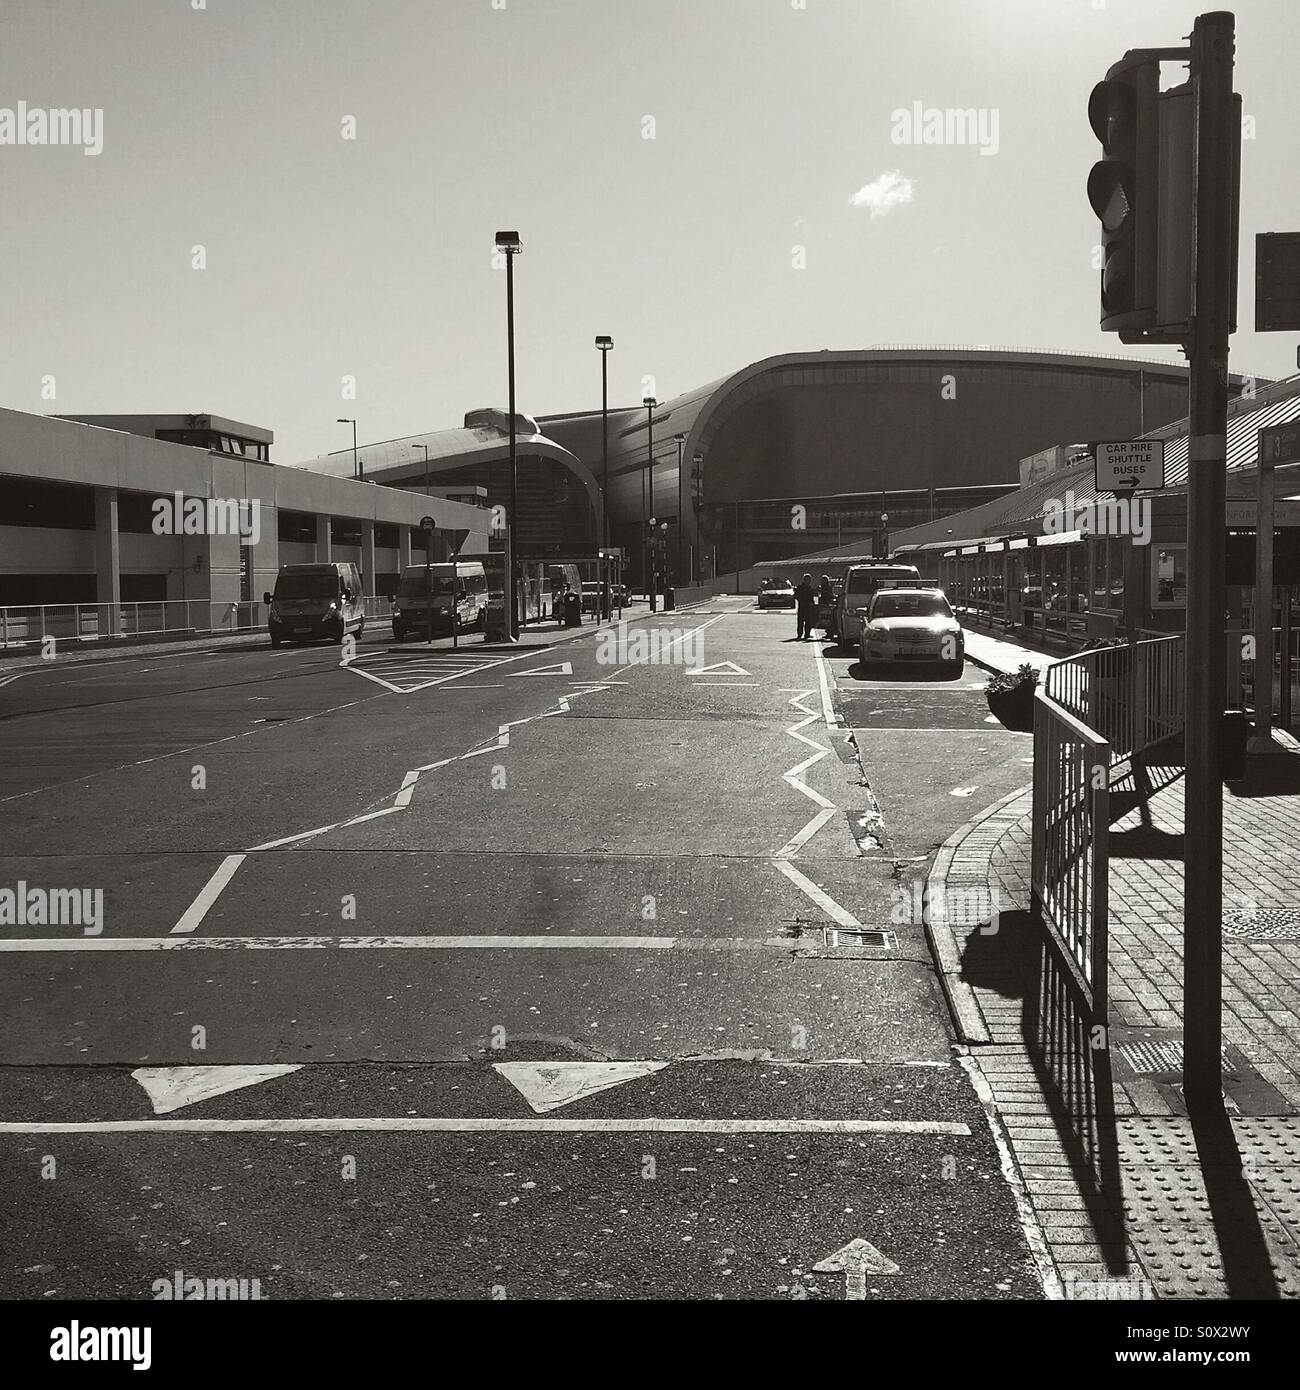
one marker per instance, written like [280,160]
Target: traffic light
[1124,112]
[1142,189]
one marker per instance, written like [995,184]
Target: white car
[776,593]
[905,625]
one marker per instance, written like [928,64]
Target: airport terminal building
[783,458]
[181,522]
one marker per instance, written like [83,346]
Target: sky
[294,195]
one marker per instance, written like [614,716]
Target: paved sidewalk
[1133,1199]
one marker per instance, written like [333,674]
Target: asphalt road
[580,972]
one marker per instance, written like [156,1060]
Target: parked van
[440,591]
[860,583]
[316,601]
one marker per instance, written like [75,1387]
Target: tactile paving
[1262,924]
[1236,1235]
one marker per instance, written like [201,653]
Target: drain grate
[1262,924]
[1151,1057]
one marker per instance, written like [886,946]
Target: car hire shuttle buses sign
[1126,467]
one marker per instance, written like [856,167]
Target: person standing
[805,602]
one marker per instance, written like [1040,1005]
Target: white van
[860,583]
[436,592]
[315,601]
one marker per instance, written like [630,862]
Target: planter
[1014,709]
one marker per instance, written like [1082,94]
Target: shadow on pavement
[1072,1074]
[1277,774]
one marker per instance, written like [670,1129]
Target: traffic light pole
[1216,129]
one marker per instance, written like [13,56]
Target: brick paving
[1133,1199]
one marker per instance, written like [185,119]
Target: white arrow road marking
[564,668]
[210,892]
[479,1125]
[549,1085]
[857,1259]
[169,1088]
[728,666]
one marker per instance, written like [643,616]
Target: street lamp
[604,343]
[697,480]
[647,494]
[356,466]
[681,510]
[510,246]
[425,447]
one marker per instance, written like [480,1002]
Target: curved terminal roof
[483,439]
[700,413]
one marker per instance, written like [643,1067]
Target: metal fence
[1069,857]
[87,622]
[1131,696]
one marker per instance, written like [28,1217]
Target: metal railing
[32,625]
[1130,696]
[1070,865]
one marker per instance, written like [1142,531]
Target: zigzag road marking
[840,915]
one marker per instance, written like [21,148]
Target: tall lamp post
[697,498]
[356,466]
[510,246]
[647,497]
[604,343]
[425,447]
[681,513]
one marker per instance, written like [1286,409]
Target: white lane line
[841,916]
[720,685]
[211,891]
[293,839]
[371,815]
[15,675]
[479,1125]
[794,845]
[40,944]
[823,672]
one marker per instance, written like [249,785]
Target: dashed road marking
[208,894]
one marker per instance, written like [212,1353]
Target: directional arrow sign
[564,668]
[857,1259]
[170,1088]
[729,667]
[549,1085]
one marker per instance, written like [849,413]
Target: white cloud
[884,193]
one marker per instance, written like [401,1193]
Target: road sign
[1277,282]
[458,538]
[427,523]
[1126,466]
[1280,443]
